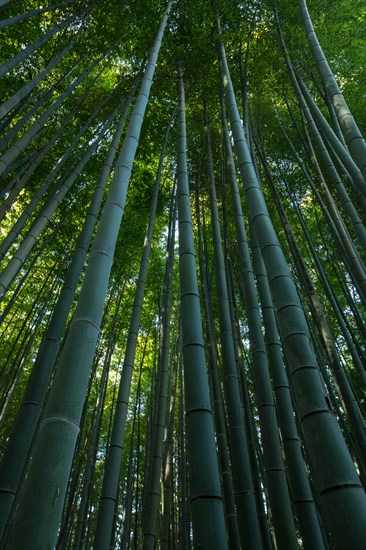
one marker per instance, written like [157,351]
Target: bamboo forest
[183,274]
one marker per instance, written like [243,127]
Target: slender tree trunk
[357,424]
[168,468]
[43,99]
[184,529]
[327,131]
[336,181]
[22,179]
[89,470]
[31,48]
[16,262]
[357,268]
[128,500]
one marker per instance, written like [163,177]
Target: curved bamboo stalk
[23,178]
[41,100]
[328,132]
[336,181]
[356,267]
[30,208]
[27,88]
[351,132]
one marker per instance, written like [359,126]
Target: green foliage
[123,33]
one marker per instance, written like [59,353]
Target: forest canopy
[183,280]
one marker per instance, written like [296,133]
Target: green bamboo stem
[206,504]
[16,262]
[328,132]
[217,398]
[21,144]
[343,196]
[22,432]
[337,481]
[9,21]
[23,178]
[242,476]
[8,65]
[351,132]
[282,514]
[349,402]
[10,103]
[356,266]
[41,99]
[58,432]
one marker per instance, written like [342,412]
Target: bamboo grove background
[183,282]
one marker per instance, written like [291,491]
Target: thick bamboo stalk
[22,432]
[242,475]
[109,494]
[204,483]
[58,432]
[338,481]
